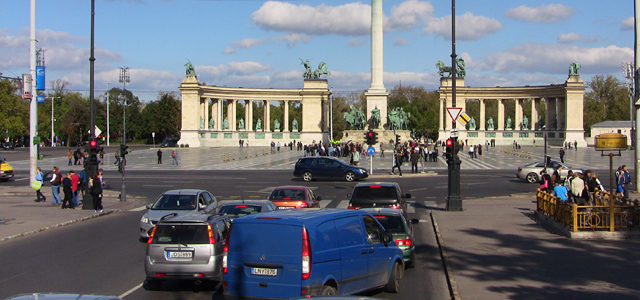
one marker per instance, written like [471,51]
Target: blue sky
[255,43]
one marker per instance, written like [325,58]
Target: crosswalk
[260,158]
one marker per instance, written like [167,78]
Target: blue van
[303,252]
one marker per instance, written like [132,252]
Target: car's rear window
[240,210]
[304,161]
[175,202]
[284,194]
[181,234]
[375,193]
[391,223]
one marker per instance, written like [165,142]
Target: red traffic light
[93,143]
[449,143]
[370,133]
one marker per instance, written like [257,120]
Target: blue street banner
[39,99]
[40,80]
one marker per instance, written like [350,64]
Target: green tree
[162,116]
[14,111]
[606,99]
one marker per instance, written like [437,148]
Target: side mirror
[407,196]
[349,196]
[415,221]
[148,206]
[387,237]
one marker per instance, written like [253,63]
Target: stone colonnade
[205,109]
[562,122]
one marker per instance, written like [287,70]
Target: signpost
[454,113]
[371,151]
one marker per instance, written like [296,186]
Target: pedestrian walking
[70,157]
[625,181]
[56,180]
[278,146]
[82,185]
[415,157]
[561,152]
[356,157]
[381,149]
[67,202]
[471,152]
[95,185]
[159,156]
[40,180]
[75,184]
[398,163]
[174,156]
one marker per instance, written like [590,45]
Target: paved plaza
[260,158]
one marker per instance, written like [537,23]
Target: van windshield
[175,202]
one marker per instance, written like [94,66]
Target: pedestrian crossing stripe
[464,118]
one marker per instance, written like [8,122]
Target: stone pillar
[286,116]
[463,105]
[202,113]
[191,94]
[229,114]
[562,113]
[535,107]
[267,116]
[483,123]
[575,100]
[500,115]
[377,95]
[442,114]
[518,117]
[551,112]
[220,114]
[249,121]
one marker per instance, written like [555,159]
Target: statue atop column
[525,123]
[259,125]
[191,71]
[276,125]
[313,74]
[212,123]
[225,124]
[307,69]
[574,69]
[472,124]
[509,123]
[442,68]
[490,124]
[294,125]
[375,118]
[241,123]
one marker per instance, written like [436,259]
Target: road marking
[141,208]
[163,185]
[343,204]
[127,293]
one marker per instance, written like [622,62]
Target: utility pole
[108,132]
[91,166]
[636,80]
[52,120]
[124,79]
[331,115]
[33,105]
[454,201]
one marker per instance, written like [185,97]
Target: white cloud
[400,41]
[628,23]
[355,42]
[551,13]
[469,27]
[575,37]
[555,59]
[291,39]
[349,19]
[406,15]
[247,43]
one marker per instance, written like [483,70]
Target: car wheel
[328,290]
[306,176]
[153,284]
[350,176]
[393,286]
[532,177]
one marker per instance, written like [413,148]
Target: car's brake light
[404,242]
[374,187]
[286,198]
[212,239]
[395,206]
[241,206]
[306,254]
[226,251]
[304,205]
[353,207]
[380,217]
[151,235]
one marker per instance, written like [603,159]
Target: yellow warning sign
[463,118]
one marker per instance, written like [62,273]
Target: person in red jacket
[75,183]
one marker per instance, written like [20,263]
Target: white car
[531,172]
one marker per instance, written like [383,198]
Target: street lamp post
[52,120]
[108,115]
[124,79]
[331,114]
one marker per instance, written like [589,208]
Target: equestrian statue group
[314,74]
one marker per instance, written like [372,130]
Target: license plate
[179,254]
[285,207]
[264,271]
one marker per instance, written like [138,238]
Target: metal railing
[602,214]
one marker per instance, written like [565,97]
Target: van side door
[354,252]
[379,262]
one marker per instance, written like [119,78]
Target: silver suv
[186,247]
[176,202]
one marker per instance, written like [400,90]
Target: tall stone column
[267,115]
[562,113]
[247,103]
[518,117]
[535,108]
[219,116]
[249,120]
[286,116]
[230,114]
[483,122]
[551,113]
[441,114]
[500,114]
[377,95]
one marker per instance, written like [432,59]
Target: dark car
[310,168]
[186,247]
[286,197]
[8,146]
[170,142]
[238,208]
[378,194]
[401,228]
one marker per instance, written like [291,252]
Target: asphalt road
[104,255]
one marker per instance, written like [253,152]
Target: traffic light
[94,151]
[449,149]
[124,150]
[397,139]
[374,138]
[368,137]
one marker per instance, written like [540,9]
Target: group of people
[73,185]
[574,188]
[174,157]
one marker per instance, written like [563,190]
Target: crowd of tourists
[73,186]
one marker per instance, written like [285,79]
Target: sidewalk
[20,215]
[496,250]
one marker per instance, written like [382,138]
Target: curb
[96,215]
[454,293]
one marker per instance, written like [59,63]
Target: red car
[287,197]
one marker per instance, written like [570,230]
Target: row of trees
[606,98]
